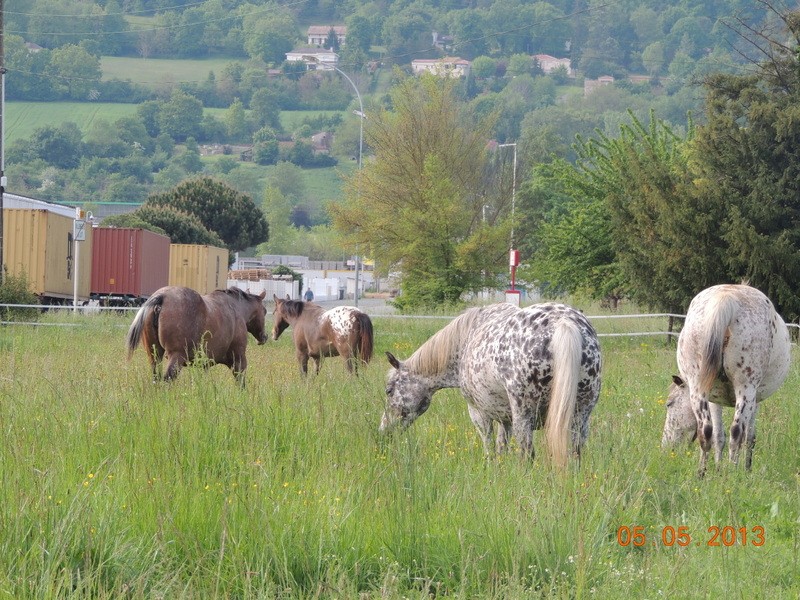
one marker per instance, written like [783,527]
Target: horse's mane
[238,293]
[295,308]
[432,357]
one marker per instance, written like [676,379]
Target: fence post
[670,325]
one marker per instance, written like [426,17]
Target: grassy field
[113,486]
[154,71]
[23,118]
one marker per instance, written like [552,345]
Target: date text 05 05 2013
[636,535]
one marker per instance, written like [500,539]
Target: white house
[449,66]
[318,34]
[315,58]
[548,63]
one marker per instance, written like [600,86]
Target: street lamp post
[513,255]
[361,116]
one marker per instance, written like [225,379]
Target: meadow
[113,486]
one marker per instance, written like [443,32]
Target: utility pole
[2,133]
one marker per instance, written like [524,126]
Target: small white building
[449,66]
[548,63]
[318,34]
[315,58]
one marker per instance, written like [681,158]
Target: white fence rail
[794,328]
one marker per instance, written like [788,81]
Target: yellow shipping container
[202,268]
[38,243]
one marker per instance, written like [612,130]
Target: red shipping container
[128,263]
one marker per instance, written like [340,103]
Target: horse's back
[739,324]
[512,349]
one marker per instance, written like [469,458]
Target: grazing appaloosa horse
[526,369]
[341,331]
[177,322]
[733,350]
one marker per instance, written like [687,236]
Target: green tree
[278,210]
[265,110]
[748,156]
[133,220]
[418,204]
[519,64]
[484,67]
[235,122]
[59,146]
[180,226]
[232,216]
[74,72]
[269,34]
[635,224]
[180,117]
[359,33]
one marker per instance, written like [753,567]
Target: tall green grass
[112,486]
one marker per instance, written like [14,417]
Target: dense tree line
[656,216]
[600,37]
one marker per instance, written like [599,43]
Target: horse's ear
[677,380]
[275,298]
[263,294]
[393,360]
[288,297]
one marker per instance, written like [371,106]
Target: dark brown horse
[177,322]
[341,331]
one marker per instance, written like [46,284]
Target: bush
[14,289]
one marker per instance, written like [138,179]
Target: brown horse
[177,322]
[341,331]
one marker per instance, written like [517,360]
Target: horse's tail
[566,348]
[719,315]
[364,345]
[153,303]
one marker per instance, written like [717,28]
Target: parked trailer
[38,244]
[202,268]
[128,265]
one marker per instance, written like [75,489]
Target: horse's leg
[523,425]
[484,426]
[743,419]
[719,431]
[705,427]
[581,433]
[503,433]
[156,355]
[238,366]
[349,362]
[302,358]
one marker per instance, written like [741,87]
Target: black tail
[365,337]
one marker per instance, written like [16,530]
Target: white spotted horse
[341,331]
[524,369]
[734,350]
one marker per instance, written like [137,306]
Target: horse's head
[680,425]
[282,313]
[256,324]
[407,396]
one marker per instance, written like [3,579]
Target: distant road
[371,306]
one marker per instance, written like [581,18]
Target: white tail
[719,315]
[566,347]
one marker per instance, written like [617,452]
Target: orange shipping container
[128,263]
[38,244]
[202,268]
